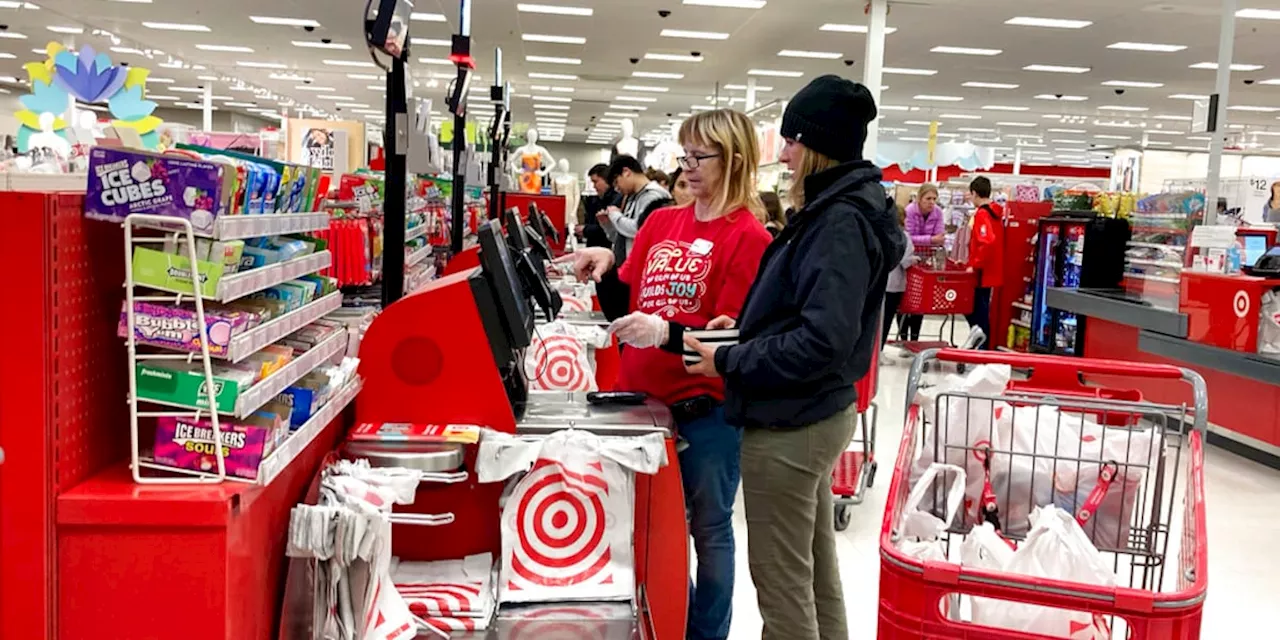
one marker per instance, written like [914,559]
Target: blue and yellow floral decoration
[91,78]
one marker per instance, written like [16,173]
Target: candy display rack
[211,406]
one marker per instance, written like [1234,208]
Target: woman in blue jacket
[807,332]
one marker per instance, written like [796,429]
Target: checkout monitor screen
[1255,246]
[500,273]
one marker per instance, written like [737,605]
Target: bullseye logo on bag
[950,295]
[560,364]
[561,521]
[1241,304]
[674,279]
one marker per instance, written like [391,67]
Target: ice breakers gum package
[124,182]
[188,444]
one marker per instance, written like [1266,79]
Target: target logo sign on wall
[563,536]
[559,363]
[1241,304]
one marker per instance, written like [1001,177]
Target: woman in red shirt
[689,265]
[986,255]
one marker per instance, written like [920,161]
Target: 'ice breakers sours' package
[123,182]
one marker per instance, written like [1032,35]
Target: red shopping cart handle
[1056,366]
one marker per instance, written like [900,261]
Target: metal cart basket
[1144,512]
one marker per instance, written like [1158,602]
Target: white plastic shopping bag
[567,526]
[985,549]
[556,360]
[963,428]
[1056,548]
[576,296]
[920,530]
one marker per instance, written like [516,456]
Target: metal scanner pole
[396,133]
[462,57]
[498,95]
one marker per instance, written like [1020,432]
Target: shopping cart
[1154,604]
[948,291]
[855,470]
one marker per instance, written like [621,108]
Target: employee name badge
[701,247]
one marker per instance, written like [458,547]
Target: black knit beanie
[830,116]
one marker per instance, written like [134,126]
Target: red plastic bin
[938,292]
[912,591]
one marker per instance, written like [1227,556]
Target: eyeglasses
[689,163]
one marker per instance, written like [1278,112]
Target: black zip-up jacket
[809,324]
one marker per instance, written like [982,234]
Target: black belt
[695,408]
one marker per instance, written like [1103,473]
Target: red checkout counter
[452,354]
[1210,326]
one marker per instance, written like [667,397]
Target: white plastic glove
[640,330]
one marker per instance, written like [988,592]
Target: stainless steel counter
[551,411]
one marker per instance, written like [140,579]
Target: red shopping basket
[921,599]
[938,292]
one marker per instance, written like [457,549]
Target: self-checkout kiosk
[453,354]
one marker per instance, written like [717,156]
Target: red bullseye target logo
[559,362]
[560,522]
[572,304]
[1241,304]
[950,295]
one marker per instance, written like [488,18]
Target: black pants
[981,316]
[892,299]
[614,295]
[909,326]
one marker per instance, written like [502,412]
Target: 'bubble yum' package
[122,182]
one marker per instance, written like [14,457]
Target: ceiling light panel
[224,48]
[935,98]
[851,28]
[960,116]
[1048,23]
[1064,98]
[1026,125]
[316,44]
[815,55]
[350,63]
[284,22]
[775,73]
[729,4]
[551,76]
[635,99]
[1147,46]
[1133,84]
[254,64]
[423,16]
[1001,107]
[1259,14]
[905,71]
[1113,107]
[538,37]
[175,26]
[966,51]
[553,60]
[644,88]
[1213,66]
[1053,68]
[672,57]
[1196,96]
[558,10]
[655,75]
[68,30]
[989,85]
[694,35]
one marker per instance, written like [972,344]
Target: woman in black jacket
[807,333]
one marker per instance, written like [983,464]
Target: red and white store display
[558,358]
[567,524]
[448,595]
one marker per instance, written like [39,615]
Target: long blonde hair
[811,162]
[733,135]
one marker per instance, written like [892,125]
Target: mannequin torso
[530,163]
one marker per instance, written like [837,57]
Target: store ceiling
[618,30]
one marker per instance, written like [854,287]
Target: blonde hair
[925,189]
[811,162]
[733,135]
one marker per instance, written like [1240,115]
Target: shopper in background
[926,226]
[660,177]
[986,254]
[593,233]
[1271,210]
[807,335]
[643,196]
[680,188]
[775,219]
[896,286]
[691,264]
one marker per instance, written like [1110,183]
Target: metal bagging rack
[240,348]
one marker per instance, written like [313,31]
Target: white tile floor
[1243,504]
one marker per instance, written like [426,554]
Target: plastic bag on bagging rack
[962,427]
[577,296]
[1056,548]
[556,360]
[1269,326]
[567,526]
[920,530]
[984,548]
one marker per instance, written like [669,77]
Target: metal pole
[396,136]
[1226,45]
[458,206]
[1017,161]
[874,71]
[495,138]
[751,94]
[207,106]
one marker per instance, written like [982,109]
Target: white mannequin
[528,176]
[665,156]
[628,145]
[564,183]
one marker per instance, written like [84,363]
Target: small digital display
[1255,246]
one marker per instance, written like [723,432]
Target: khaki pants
[791,545]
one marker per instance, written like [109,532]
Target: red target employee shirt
[688,272]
